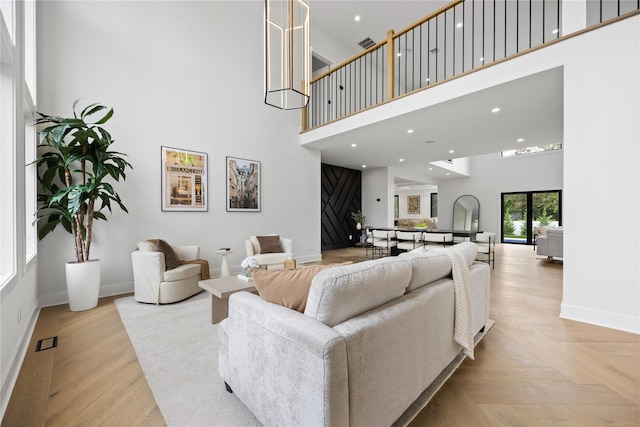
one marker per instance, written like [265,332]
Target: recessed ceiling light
[459,25]
[451,151]
[364,166]
[409,130]
[356,18]
[448,174]
[402,160]
[495,110]
[430,169]
[520,139]
[354,145]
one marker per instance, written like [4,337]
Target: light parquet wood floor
[531,369]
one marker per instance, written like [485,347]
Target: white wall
[377,197]
[186,75]
[601,163]
[19,304]
[425,203]
[601,168]
[535,172]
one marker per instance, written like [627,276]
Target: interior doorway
[523,212]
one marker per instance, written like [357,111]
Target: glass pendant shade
[286,54]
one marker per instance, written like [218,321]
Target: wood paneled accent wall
[341,194]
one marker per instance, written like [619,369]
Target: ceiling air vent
[366,43]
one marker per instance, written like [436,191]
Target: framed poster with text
[184,180]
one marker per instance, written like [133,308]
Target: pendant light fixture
[287,54]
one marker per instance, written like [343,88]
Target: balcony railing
[462,36]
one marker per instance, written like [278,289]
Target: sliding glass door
[523,212]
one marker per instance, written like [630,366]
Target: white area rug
[177,347]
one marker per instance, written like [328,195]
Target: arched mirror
[466,213]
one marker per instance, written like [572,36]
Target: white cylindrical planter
[83,284]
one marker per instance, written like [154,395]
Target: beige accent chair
[272,261]
[153,283]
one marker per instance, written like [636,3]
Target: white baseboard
[308,258]
[9,382]
[600,318]
[58,298]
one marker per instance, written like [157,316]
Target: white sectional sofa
[373,336]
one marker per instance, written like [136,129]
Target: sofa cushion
[429,266]
[288,288]
[171,259]
[269,244]
[339,293]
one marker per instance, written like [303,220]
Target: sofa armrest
[148,270]
[287,368]
[248,247]
[287,245]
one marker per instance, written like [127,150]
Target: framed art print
[413,204]
[184,180]
[243,185]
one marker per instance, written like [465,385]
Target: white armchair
[551,244]
[274,260]
[153,283]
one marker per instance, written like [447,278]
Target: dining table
[470,234]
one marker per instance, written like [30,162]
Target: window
[523,213]
[7,144]
[30,136]
[531,150]
[396,206]
[434,205]
[30,184]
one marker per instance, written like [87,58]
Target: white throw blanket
[463,321]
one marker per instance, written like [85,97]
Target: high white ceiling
[531,107]
[336,17]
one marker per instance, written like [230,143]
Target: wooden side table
[220,289]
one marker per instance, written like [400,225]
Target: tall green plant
[74,167]
[508,226]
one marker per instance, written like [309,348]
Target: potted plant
[358,218]
[75,166]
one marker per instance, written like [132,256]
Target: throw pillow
[269,244]
[171,259]
[146,246]
[289,288]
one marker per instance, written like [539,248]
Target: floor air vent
[47,343]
